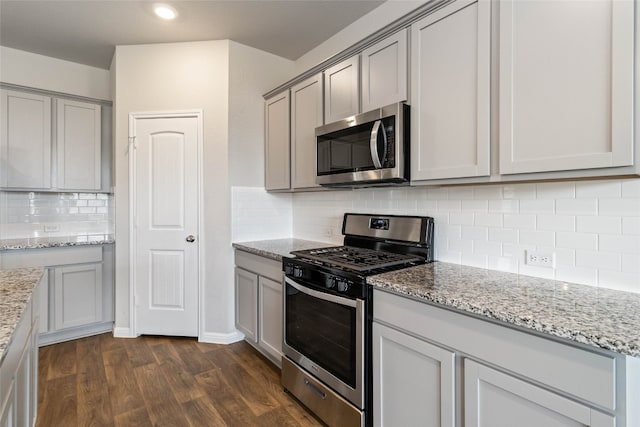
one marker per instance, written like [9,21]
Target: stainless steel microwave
[370,149]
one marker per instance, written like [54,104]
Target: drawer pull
[315,388]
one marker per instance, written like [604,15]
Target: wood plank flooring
[161,381]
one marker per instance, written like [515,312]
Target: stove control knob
[330,282]
[288,270]
[297,272]
[343,286]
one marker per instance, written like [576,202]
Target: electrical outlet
[541,259]
[49,228]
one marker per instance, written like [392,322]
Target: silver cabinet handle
[191,238]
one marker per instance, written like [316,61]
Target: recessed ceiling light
[165,11]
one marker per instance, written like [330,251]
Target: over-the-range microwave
[370,149]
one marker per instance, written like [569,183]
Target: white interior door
[165,224]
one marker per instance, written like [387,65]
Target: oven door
[324,333]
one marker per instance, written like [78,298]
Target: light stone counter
[16,288]
[278,248]
[56,242]
[598,317]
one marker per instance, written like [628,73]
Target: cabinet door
[78,145]
[23,383]
[306,115]
[78,295]
[450,92]
[566,85]
[270,316]
[493,398]
[277,172]
[8,406]
[341,90]
[25,140]
[384,72]
[246,285]
[413,381]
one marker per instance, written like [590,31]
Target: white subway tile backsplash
[556,190]
[503,235]
[586,276]
[631,188]
[537,238]
[519,191]
[579,221]
[577,206]
[599,224]
[474,233]
[631,263]
[622,281]
[504,206]
[521,222]
[461,193]
[598,189]
[24,215]
[488,220]
[585,241]
[555,223]
[461,218]
[622,207]
[487,192]
[537,206]
[449,205]
[598,260]
[631,225]
[474,205]
[487,248]
[620,244]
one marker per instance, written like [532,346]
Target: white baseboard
[120,332]
[216,338]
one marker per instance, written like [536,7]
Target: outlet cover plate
[541,259]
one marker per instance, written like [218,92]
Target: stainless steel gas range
[328,312]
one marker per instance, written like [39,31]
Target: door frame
[131,149]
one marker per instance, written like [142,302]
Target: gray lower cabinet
[78,300]
[19,369]
[246,291]
[494,398]
[258,303]
[437,367]
[414,381]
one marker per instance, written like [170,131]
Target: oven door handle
[322,295]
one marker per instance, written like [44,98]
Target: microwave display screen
[349,150]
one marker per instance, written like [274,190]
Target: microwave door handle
[373,143]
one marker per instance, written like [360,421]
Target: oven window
[324,332]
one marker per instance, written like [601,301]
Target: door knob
[191,238]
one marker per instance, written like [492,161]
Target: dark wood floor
[159,381]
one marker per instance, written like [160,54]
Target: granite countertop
[278,248]
[16,287]
[598,317]
[56,242]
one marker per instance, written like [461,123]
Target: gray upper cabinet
[277,159]
[342,90]
[25,140]
[566,85]
[450,92]
[78,145]
[306,115]
[384,72]
[53,143]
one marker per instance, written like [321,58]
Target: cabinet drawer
[50,256]
[581,373]
[257,264]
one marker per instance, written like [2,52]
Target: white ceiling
[86,31]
